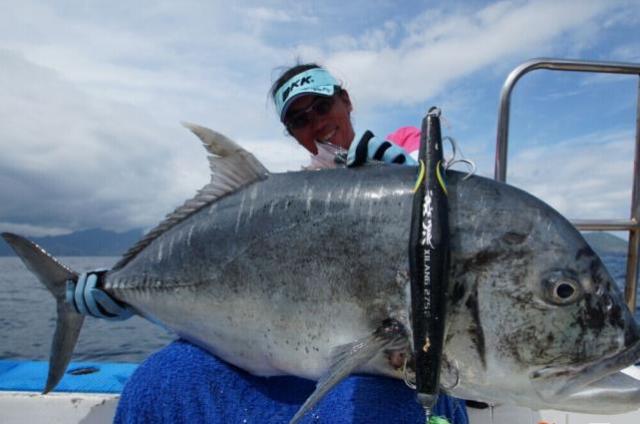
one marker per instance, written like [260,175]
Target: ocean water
[27,317]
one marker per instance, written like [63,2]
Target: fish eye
[562,288]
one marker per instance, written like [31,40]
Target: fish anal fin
[351,356]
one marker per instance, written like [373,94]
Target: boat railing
[632,225]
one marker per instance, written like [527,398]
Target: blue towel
[185,384]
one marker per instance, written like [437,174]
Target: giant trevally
[306,273]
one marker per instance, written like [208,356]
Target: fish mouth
[554,384]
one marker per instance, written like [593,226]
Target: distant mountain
[603,242]
[94,242]
[97,242]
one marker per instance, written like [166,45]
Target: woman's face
[333,126]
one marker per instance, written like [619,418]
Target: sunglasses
[319,107]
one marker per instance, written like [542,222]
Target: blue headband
[315,81]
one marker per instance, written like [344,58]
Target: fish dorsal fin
[232,168]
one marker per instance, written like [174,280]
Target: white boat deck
[54,408]
[69,408]
[518,415]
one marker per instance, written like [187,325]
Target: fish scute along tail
[54,276]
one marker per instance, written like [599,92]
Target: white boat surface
[98,401]
[100,408]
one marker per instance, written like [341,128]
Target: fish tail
[54,276]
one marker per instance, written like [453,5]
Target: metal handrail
[500,171]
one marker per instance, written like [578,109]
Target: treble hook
[450,162]
[405,377]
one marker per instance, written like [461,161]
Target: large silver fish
[305,273]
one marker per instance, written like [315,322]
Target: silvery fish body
[273,283]
[292,273]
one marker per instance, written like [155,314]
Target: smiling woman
[314,107]
[316,111]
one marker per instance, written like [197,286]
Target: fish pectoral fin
[348,357]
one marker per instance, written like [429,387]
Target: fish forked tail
[54,276]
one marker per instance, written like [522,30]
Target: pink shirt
[406,137]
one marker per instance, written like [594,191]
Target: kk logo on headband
[297,83]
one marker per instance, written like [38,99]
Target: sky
[93,95]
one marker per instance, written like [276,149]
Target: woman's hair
[290,73]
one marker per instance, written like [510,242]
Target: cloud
[32,230]
[64,168]
[440,47]
[60,160]
[90,119]
[262,15]
[584,178]
[203,67]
